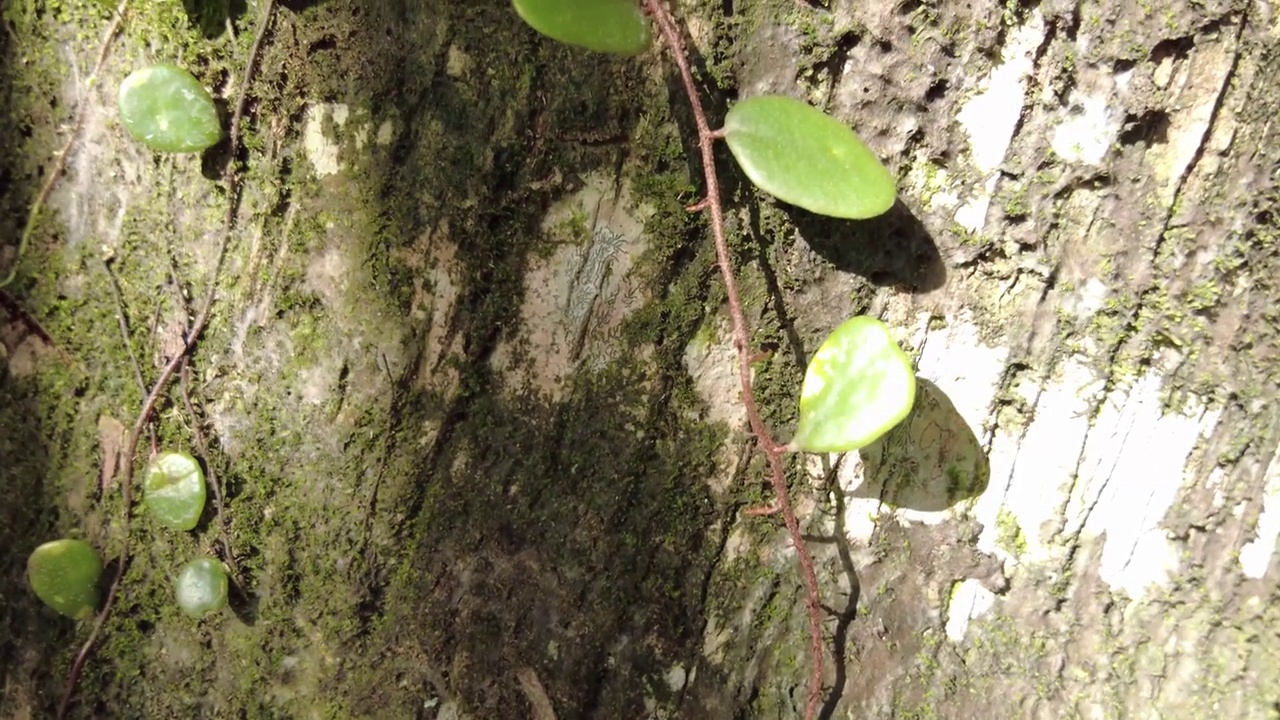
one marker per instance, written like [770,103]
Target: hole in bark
[1149,128]
[937,91]
[1176,48]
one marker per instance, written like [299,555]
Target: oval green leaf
[609,26]
[805,157]
[857,387]
[174,490]
[165,108]
[201,587]
[64,575]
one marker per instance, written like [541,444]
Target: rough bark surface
[471,392]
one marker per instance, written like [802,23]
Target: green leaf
[201,587]
[609,26]
[165,108]
[64,575]
[857,387]
[174,490]
[803,156]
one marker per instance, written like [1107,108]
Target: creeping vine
[742,342]
[859,383]
[231,180]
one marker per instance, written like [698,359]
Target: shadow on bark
[211,16]
[892,250]
[26,520]
[929,462]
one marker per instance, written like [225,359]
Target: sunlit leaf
[610,26]
[64,574]
[805,157]
[165,108]
[174,490]
[201,587]
[857,387]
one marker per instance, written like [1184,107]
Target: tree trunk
[469,392]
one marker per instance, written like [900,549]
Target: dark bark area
[472,396]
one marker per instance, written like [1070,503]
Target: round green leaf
[201,587]
[174,490]
[857,387]
[165,108]
[803,156]
[610,26]
[64,574]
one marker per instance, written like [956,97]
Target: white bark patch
[1088,133]
[1135,461]
[969,601]
[991,116]
[1255,556]
[321,150]
[1195,88]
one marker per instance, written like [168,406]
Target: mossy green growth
[201,587]
[167,109]
[64,574]
[174,490]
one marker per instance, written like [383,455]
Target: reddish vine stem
[741,340]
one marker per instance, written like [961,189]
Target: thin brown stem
[741,339]
[202,444]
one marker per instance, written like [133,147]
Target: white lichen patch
[327,127]
[1089,130]
[991,116]
[1255,556]
[1195,88]
[1136,459]
[321,150]
[1033,467]
[577,296]
[969,600]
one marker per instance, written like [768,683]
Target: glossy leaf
[801,155]
[610,26]
[174,490]
[201,587]
[857,387]
[167,109]
[64,575]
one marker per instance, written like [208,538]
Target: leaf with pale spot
[201,587]
[858,386]
[165,108]
[64,574]
[174,490]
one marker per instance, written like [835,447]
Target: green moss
[1009,533]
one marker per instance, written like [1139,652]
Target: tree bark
[470,393]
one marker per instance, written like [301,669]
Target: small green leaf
[857,387]
[201,587]
[64,574]
[801,155]
[609,26]
[174,490]
[165,108]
